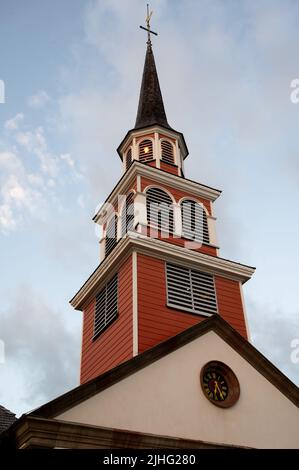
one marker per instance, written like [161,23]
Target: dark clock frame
[230,378]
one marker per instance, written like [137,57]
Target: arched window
[111,235]
[127,217]
[129,158]
[159,209]
[145,151]
[167,152]
[194,221]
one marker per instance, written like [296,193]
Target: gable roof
[216,324]
[7,418]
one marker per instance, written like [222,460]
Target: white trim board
[162,250]
[159,176]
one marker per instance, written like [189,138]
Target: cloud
[40,349]
[272,332]
[13,123]
[19,192]
[24,138]
[68,159]
[38,100]
[81,201]
[7,220]
[35,143]
[32,177]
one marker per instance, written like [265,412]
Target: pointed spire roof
[151,108]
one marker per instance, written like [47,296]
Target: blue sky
[72,72]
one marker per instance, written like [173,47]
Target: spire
[151,108]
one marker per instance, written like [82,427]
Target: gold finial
[148,17]
[148,26]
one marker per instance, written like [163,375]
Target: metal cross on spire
[148,27]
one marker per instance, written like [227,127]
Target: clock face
[215,385]
[219,384]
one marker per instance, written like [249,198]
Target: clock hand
[217,386]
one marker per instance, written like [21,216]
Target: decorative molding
[158,176]
[178,159]
[157,150]
[32,433]
[134,149]
[157,248]
[245,312]
[212,230]
[135,303]
[138,184]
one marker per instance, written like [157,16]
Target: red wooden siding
[115,345]
[157,322]
[169,168]
[152,163]
[209,250]
[230,303]
[164,166]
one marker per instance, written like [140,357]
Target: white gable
[165,398]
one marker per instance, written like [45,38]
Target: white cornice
[162,250]
[162,177]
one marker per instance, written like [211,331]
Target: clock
[219,384]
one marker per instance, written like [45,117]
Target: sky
[72,72]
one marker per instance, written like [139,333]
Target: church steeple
[160,271]
[152,141]
[151,109]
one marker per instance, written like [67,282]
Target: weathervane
[148,27]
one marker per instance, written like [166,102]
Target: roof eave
[162,250]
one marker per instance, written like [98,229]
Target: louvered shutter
[179,287]
[128,158]
[106,305]
[167,152]
[111,235]
[145,151]
[194,221]
[190,290]
[159,209]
